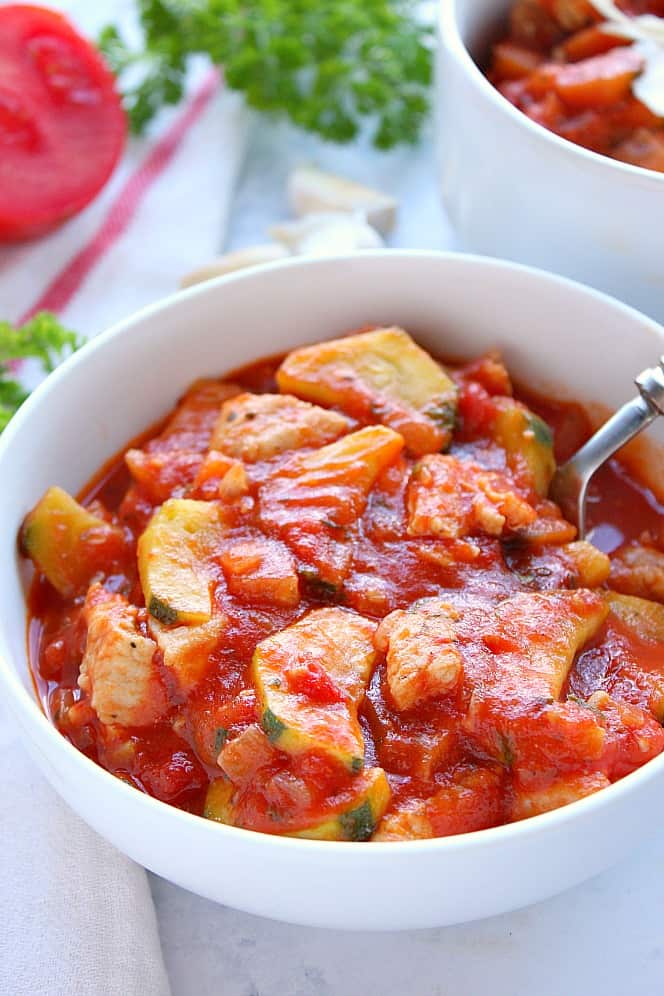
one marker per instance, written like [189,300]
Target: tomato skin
[62,126]
[314,682]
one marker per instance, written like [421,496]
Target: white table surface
[605,937]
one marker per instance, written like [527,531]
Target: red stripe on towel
[71,277]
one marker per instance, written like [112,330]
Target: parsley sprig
[42,338]
[328,66]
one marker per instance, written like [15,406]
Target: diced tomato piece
[62,127]
[312,680]
[598,82]
[177,773]
[644,148]
[476,409]
[590,42]
[474,801]
[513,62]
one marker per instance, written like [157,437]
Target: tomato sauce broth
[174,760]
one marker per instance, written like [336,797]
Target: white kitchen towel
[77,916]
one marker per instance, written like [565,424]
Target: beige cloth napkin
[77,916]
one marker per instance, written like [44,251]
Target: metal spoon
[569,487]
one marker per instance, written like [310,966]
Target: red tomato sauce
[175,758]
[560,68]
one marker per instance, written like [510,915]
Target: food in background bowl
[330,598]
[563,67]
[519,191]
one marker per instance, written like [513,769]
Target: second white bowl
[517,191]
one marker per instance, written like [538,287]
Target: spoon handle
[570,484]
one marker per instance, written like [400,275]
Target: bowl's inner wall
[480,24]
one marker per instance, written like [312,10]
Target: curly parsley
[329,67]
[42,338]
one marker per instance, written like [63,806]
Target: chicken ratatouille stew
[330,598]
[560,66]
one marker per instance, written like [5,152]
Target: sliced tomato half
[62,126]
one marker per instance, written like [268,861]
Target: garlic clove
[326,234]
[311,190]
[237,260]
[291,233]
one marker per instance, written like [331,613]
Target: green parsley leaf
[358,824]
[272,726]
[542,432]
[44,339]
[329,67]
[161,611]
[220,738]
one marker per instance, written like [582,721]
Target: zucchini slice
[310,679]
[219,801]
[353,816]
[380,376]
[54,537]
[186,649]
[528,442]
[173,556]
[357,818]
[643,617]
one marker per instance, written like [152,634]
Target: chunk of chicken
[245,754]
[454,498]
[528,801]
[473,799]
[163,475]
[423,660]
[118,671]
[255,427]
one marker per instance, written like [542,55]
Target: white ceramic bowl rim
[27,705]
[451,35]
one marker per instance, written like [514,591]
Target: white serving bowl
[517,191]
[552,332]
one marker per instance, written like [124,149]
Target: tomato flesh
[62,126]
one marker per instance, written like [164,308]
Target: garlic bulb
[312,191]
[326,233]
